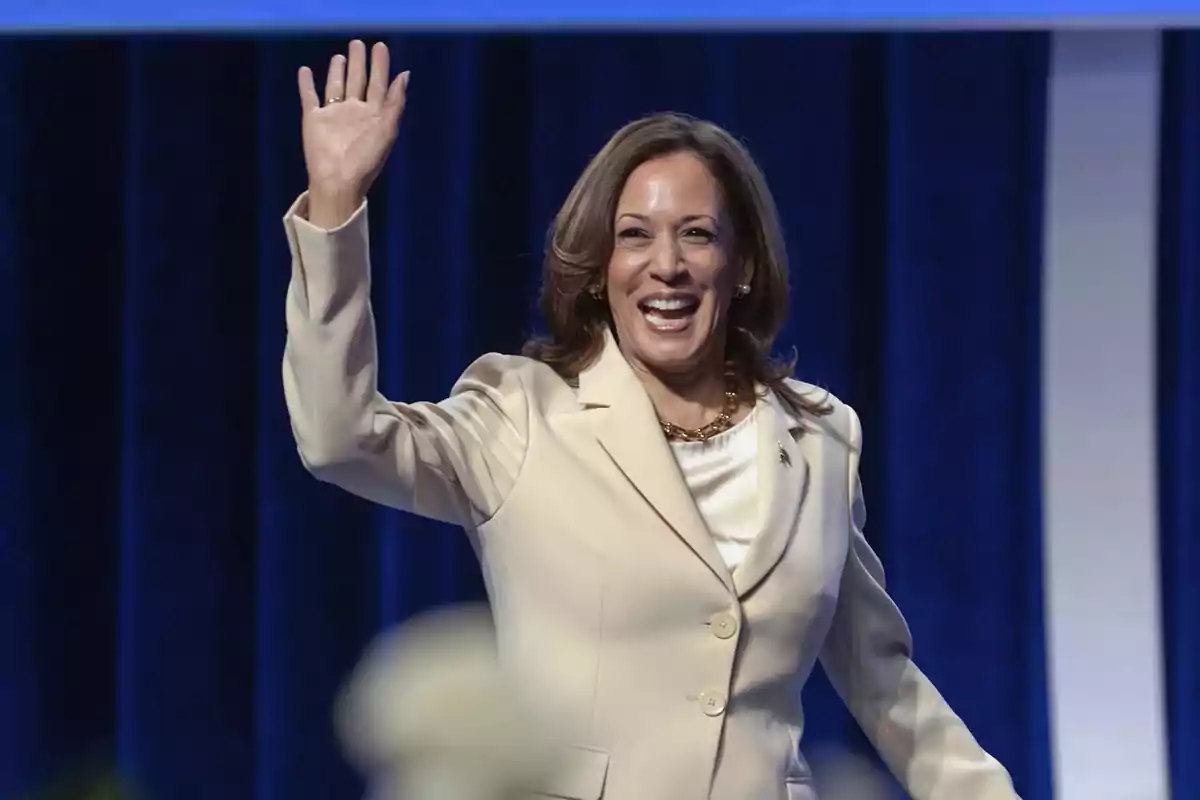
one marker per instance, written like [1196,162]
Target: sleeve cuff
[329,267]
[297,217]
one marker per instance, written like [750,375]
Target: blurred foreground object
[841,775]
[428,714]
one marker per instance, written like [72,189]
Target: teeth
[665,323]
[670,304]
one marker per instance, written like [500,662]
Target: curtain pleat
[19,730]
[187,374]
[181,600]
[1179,402]
[958,392]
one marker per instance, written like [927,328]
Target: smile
[669,314]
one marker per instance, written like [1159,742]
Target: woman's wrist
[332,207]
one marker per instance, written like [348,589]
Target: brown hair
[581,240]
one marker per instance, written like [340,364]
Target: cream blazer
[676,679]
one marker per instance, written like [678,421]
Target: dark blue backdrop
[1179,403]
[179,600]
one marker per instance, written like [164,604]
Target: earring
[742,290]
[596,291]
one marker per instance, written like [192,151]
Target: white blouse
[722,474]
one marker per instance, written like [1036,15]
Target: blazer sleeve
[453,460]
[868,658]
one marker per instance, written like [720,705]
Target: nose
[667,262]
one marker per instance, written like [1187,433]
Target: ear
[747,273]
[747,276]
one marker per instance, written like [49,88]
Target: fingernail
[405,78]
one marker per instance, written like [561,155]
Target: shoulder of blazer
[840,423]
[542,388]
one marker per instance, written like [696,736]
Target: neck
[688,400]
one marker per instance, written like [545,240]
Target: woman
[668,524]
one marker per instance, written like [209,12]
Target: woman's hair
[581,241]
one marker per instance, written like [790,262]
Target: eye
[633,233]
[700,235]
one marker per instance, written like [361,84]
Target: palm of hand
[345,143]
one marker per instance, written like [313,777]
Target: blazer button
[712,702]
[723,625]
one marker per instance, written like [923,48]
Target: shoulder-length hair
[581,239]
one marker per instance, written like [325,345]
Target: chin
[671,357]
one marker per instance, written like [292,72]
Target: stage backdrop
[179,600]
[1179,403]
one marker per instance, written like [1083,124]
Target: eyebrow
[688,218]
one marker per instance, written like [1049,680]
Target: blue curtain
[1179,401]
[179,600]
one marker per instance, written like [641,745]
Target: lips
[669,313]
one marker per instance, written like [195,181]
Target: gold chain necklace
[722,423]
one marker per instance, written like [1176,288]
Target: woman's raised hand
[350,131]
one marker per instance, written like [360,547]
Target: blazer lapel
[628,430]
[783,482]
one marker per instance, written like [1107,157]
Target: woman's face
[670,279]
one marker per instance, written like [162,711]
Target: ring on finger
[330,101]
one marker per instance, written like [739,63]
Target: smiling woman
[670,526]
[670,241]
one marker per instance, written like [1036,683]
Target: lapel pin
[784,458]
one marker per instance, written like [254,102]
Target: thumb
[397,96]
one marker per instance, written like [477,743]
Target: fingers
[397,94]
[380,68]
[335,81]
[309,99]
[356,71]
[349,79]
